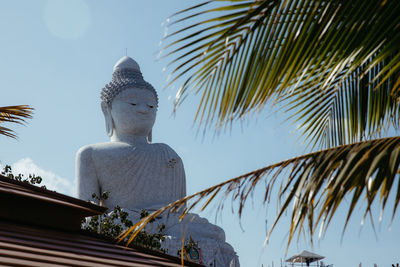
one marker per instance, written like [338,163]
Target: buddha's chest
[140,177]
[131,166]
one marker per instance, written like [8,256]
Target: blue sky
[57,55]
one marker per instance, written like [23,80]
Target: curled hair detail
[123,79]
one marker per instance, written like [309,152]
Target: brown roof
[24,189]
[38,227]
[26,203]
[33,246]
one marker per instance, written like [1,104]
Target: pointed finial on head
[126,63]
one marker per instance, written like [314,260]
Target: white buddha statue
[136,173]
[140,175]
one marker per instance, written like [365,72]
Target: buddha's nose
[142,109]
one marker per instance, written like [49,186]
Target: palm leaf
[316,185]
[356,107]
[241,55]
[13,114]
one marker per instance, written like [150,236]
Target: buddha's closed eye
[133,104]
[150,106]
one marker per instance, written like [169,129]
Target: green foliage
[332,65]
[112,224]
[152,241]
[32,178]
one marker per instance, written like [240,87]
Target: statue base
[204,242]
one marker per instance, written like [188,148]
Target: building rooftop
[39,227]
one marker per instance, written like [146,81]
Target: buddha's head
[128,102]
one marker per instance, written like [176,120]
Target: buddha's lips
[143,115]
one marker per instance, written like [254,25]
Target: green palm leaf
[356,107]
[239,55]
[316,185]
[13,114]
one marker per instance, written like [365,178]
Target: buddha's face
[133,112]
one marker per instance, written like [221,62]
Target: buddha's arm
[183,187]
[87,181]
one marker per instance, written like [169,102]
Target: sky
[57,55]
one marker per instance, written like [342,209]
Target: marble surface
[126,63]
[144,176]
[139,174]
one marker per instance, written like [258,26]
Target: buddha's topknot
[126,75]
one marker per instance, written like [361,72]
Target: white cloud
[51,180]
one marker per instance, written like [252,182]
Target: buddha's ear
[150,136]
[108,118]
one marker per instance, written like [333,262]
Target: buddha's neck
[130,139]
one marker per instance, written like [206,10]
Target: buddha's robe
[149,176]
[143,176]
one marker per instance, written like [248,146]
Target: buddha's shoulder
[164,147]
[88,150]
[110,147]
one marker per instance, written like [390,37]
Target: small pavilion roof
[305,256]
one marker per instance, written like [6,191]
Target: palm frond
[14,114]
[241,55]
[316,185]
[355,107]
